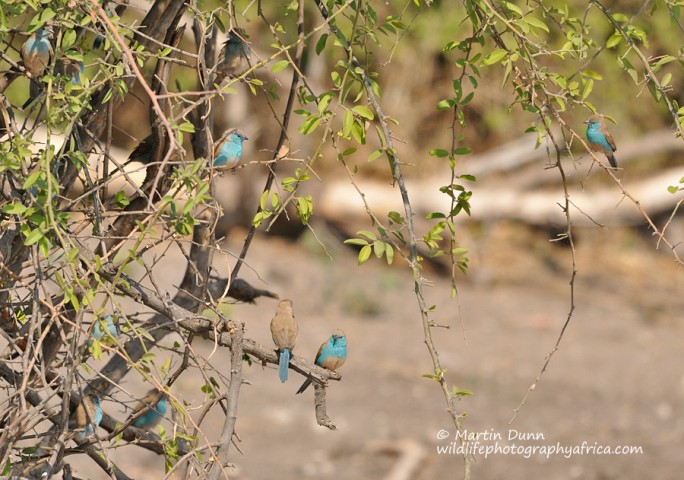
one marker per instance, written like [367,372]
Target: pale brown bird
[284,332]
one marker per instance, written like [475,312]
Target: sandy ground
[616,380]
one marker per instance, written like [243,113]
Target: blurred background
[616,379]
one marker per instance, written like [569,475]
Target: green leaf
[363,111]
[320,45]
[356,241]
[364,254]
[280,66]
[513,8]
[461,392]
[368,234]
[614,40]
[438,152]
[446,104]
[535,22]
[34,236]
[389,253]
[14,209]
[494,57]
[375,155]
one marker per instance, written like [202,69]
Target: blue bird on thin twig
[600,139]
[331,355]
[229,150]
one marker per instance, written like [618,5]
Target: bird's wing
[320,350]
[609,138]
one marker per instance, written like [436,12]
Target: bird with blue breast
[156,403]
[103,326]
[284,333]
[331,355]
[36,54]
[233,58]
[599,138]
[228,150]
[85,418]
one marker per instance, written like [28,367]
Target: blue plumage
[283,363]
[100,326]
[36,53]
[85,419]
[154,415]
[284,332]
[331,355]
[600,139]
[230,150]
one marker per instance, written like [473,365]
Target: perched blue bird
[331,355]
[154,413]
[229,150]
[233,57]
[84,420]
[600,139]
[102,325]
[284,332]
[36,53]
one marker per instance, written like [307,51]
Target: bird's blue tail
[613,161]
[283,364]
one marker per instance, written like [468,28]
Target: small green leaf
[368,234]
[375,155]
[364,254]
[280,66]
[363,111]
[446,104]
[34,236]
[494,57]
[614,40]
[438,152]
[389,253]
[379,249]
[535,22]
[356,241]
[14,209]
[320,45]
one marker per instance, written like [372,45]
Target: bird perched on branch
[102,325]
[229,148]
[284,332]
[156,403]
[142,153]
[84,420]
[36,53]
[71,68]
[241,290]
[600,139]
[233,57]
[331,355]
